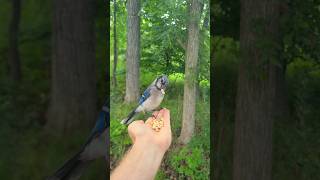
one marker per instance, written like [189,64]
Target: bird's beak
[163,91]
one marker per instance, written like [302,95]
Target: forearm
[141,162]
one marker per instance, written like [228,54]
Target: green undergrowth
[191,160]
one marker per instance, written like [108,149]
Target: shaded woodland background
[272,52]
[53,64]
[150,38]
[266,89]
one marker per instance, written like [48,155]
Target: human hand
[141,132]
[143,159]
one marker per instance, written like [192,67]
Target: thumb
[135,129]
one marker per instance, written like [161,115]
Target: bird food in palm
[157,124]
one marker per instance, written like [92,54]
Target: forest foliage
[163,37]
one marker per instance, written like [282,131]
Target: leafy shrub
[190,163]
[304,88]
[225,71]
[118,134]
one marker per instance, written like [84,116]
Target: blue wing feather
[145,95]
[89,150]
[102,123]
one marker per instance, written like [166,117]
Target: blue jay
[150,99]
[96,146]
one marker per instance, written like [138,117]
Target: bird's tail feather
[129,119]
[71,170]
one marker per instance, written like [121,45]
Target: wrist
[143,154]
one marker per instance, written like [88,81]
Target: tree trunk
[73,88]
[115,49]
[14,56]
[255,105]
[133,51]
[282,110]
[192,55]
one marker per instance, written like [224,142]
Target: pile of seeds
[157,124]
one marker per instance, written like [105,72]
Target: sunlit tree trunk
[192,55]
[133,51]
[115,48]
[14,56]
[255,106]
[73,84]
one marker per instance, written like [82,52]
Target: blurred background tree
[73,76]
[52,53]
[13,52]
[295,108]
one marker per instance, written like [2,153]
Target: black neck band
[157,83]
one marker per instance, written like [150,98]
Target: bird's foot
[155,114]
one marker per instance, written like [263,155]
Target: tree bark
[14,56]
[73,88]
[203,29]
[115,48]
[133,51]
[256,92]
[192,55]
[282,110]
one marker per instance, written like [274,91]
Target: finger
[134,124]
[133,127]
[165,114]
[155,113]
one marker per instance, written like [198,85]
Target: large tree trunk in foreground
[14,56]
[192,55]
[73,94]
[115,48]
[133,51]
[256,90]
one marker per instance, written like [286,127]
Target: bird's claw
[155,116]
